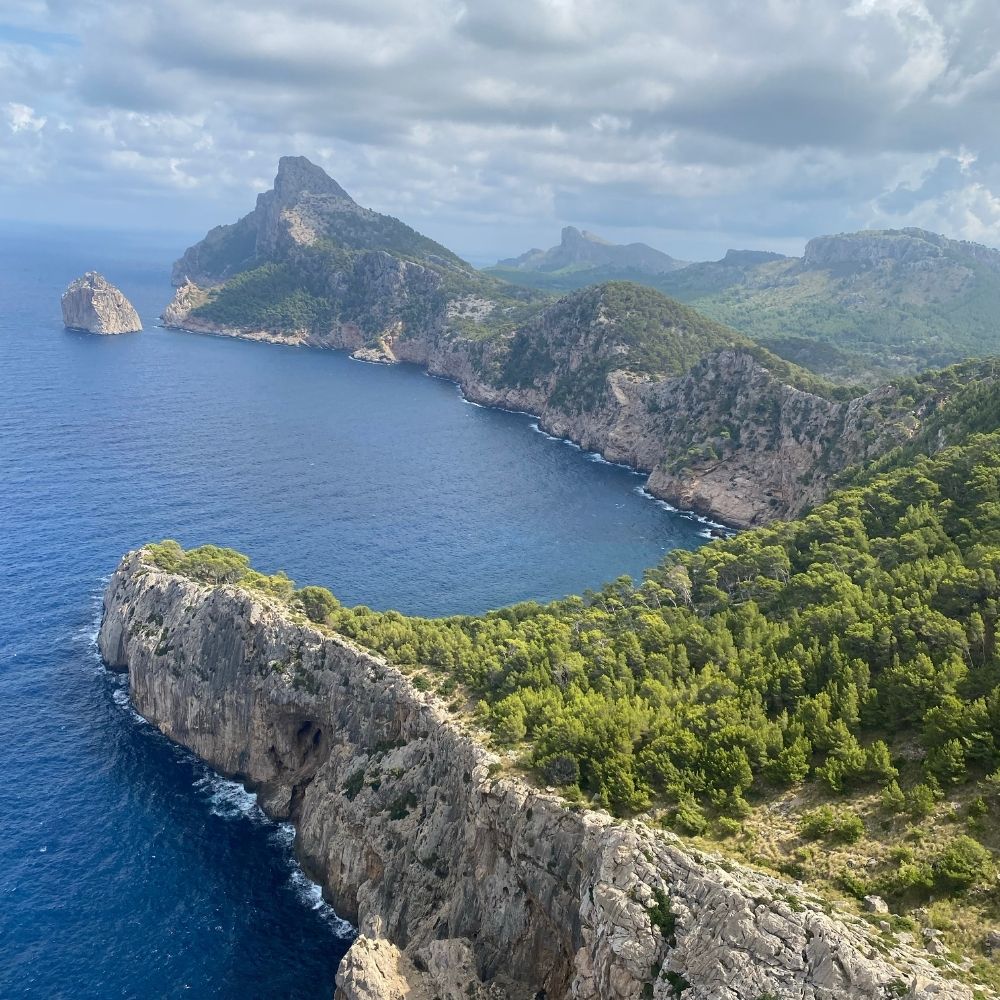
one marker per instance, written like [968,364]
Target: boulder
[876,904]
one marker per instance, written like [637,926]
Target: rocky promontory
[464,879]
[94,305]
[720,424]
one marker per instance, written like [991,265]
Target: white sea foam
[120,697]
[228,799]
[312,896]
[87,634]
[596,456]
[689,515]
[552,437]
[284,834]
[643,492]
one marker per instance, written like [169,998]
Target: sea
[127,867]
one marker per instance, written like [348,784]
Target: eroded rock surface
[465,881]
[93,304]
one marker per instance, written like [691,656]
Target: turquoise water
[127,869]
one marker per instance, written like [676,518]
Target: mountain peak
[297,176]
[571,235]
[581,250]
[305,207]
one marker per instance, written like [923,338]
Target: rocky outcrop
[94,305]
[464,880]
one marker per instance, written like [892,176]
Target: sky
[693,126]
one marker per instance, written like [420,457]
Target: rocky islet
[92,304]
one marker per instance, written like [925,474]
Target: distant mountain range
[856,305]
[582,252]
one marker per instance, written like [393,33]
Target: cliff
[94,305]
[464,880]
[728,435]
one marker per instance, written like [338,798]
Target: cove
[126,867]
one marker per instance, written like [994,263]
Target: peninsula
[465,880]
[720,424]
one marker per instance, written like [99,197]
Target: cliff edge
[465,881]
[94,305]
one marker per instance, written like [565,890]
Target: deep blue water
[126,868]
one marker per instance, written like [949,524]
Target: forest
[819,651]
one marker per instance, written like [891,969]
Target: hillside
[857,305]
[581,255]
[721,424]
[820,697]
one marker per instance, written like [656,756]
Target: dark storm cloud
[491,125]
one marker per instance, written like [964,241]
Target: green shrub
[920,801]
[962,864]
[826,823]
[317,602]
[893,799]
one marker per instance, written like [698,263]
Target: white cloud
[22,118]
[490,126]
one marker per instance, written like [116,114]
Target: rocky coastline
[790,445]
[718,424]
[464,879]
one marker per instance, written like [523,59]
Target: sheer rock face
[464,882]
[93,304]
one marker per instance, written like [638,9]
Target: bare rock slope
[93,304]
[465,881]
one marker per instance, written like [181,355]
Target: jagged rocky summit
[463,879]
[94,305]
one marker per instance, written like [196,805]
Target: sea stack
[93,304]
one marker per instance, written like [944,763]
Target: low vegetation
[857,320]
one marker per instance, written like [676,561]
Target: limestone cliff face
[464,882]
[93,304]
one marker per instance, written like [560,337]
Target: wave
[365,361]
[596,456]
[311,895]
[228,799]
[536,427]
[711,527]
